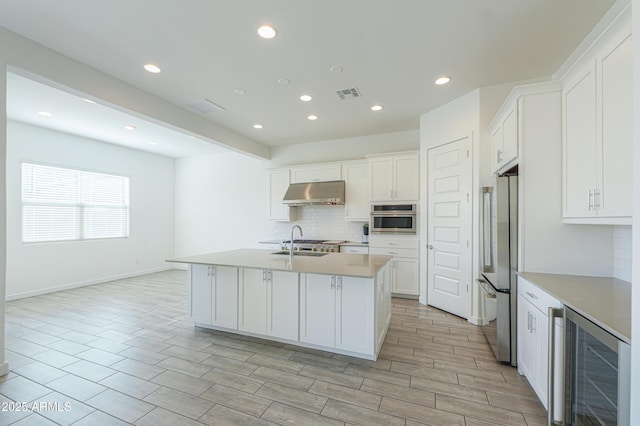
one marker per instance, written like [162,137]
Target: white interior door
[449,227]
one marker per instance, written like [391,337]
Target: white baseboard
[101,280]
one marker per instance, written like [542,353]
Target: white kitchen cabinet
[315,173]
[278,184]
[598,133]
[404,268]
[533,341]
[282,304]
[394,177]
[354,249]
[253,301]
[269,303]
[504,137]
[336,311]
[213,292]
[356,178]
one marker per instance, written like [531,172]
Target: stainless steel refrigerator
[498,285]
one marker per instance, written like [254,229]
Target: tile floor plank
[126,353]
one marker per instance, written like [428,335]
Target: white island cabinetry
[268,303]
[213,292]
[337,312]
[337,302]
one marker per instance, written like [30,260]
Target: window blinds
[60,204]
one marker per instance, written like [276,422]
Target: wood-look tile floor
[124,353]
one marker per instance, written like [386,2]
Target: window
[63,204]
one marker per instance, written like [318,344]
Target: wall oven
[393,219]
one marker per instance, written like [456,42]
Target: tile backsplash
[320,222]
[622,261]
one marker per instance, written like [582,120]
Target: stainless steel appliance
[500,264]
[597,374]
[313,193]
[321,246]
[393,219]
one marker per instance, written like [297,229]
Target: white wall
[221,203]
[43,267]
[622,253]
[210,215]
[344,149]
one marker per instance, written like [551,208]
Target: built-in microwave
[393,219]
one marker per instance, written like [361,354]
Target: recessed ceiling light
[89,101]
[267,31]
[239,92]
[153,143]
[442,80]
[312,117]
[45,114]
[284,81]
[336,69]
[152,68]
[376,108]
[130,127]
[305,98]
[257,126]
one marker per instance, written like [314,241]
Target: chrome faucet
[291,240]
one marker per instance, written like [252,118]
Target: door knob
[430,247]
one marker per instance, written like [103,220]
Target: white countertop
[604,301]
[346,264]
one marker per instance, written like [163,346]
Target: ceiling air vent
[348,93]
[205,106]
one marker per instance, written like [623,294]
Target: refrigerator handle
[553,314]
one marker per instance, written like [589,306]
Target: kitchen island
[331,301]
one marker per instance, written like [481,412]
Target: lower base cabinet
[337,312]
[269,303]
[533,342]
[348,315]
[214,295]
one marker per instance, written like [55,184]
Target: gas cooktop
[315,245]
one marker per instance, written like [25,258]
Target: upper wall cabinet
[278,185]
[597,135]
[504,137]
[395,177]
[356,181]
[315,173]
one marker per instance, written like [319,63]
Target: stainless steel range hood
[310,193]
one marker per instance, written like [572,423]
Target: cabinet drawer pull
[531,295]
[392,252]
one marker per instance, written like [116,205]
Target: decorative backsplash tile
[320,222]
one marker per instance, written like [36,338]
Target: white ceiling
[392,51]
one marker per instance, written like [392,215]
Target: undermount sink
[302,253]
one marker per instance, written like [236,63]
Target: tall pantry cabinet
[597,133]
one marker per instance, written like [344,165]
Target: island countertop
[345,264]
[604,301]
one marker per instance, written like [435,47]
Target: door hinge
[467,197]
[467,288]
[467,153]
[467,243]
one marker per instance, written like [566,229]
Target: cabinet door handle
[213,270]
[498,156]
[394,244]
[590,200]
[529,322]
[339,283]
[553,314]
[333,282]
[596,199]
[393,252]
[264,275]
[531,295]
